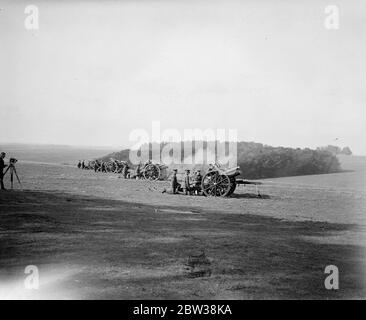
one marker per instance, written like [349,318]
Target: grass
[87,248]
[99,236]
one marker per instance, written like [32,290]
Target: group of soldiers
[82,165]
[95,165]
[191,185]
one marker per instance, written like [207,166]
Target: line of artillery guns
[217,181]
[147,171]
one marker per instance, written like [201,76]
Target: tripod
[13,171]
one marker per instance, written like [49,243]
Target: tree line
[258,161]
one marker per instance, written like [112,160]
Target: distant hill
[258,161]
[57,154]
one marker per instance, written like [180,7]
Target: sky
[95,71]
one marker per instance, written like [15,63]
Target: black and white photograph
[203,152]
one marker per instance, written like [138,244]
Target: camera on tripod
[13,161]
[12,171]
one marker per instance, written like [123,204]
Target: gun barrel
[242,181]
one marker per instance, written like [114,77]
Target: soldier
[198,182]
[83,165]
[125,170]
[2,166]
[147,162]
[187,184]
[79,164]
[95,165]
[138,171]
[175,186]
[174,182]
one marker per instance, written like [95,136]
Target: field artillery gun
[115,166]
[219,182]
[95,165]
[153,171]
[91,165]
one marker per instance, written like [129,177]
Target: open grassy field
[95,235]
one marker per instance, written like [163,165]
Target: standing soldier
[125,170]
[138,171]
[198,182]
[175,184]
[79,164]
[83,165]
[187,184]
[2,166]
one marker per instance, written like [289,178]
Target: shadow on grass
[250,196]
[262,256]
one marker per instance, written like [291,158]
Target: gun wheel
[216,184]
[110,166]
[151,172]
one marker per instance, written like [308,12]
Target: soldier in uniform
[175,186]
[138,171]
[174,182]
[125,170]
[187,184]
[147,162]
[198,182]
[79,164]
[2,166]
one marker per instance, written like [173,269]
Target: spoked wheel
[152,172]
[91,165]
[114,167]
[119,168]
[216,184]
[98,165]
[110,166]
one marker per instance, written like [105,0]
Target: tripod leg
[7,169]
[11,179]
[16,174]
